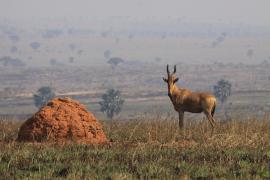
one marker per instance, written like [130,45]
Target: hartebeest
[184,100]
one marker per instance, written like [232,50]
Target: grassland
[146,148]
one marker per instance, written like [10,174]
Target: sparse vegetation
[111,103]
[43,95]
[72,46]
[53,62]
[222,90]
[219,40]
[35,45]
[8,61]
[71,59]
[13,49]
[79,52]
[250,53]
[52,33]
[107,54]
[115,61]
[14,38]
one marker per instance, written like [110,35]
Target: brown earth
[62,120]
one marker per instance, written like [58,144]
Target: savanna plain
[145,140]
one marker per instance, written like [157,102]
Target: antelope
[185,100]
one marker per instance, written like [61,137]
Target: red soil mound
[62,120]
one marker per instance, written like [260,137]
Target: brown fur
[186,101]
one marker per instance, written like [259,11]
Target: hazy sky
[255,12]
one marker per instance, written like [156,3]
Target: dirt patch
[62,120]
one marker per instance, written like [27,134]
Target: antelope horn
[168,71]
[174,69]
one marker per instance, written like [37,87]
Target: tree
[72,46]
[111,103]
[71,59]
[43,96]
[53,62]
[51,33]
[250,53]
[13,49]
[14,38]
[114,61]
[35,45]
[107,54]
[9,61]
[222,90]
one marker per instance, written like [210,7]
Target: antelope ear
[164,79]
[175,80]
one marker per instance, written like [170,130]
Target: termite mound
[62,120]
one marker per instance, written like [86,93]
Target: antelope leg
[210,119]
[214,120]
[181,120]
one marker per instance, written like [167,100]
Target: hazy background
[163,29]
[227,11]
[68,45]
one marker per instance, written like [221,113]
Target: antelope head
[171,80]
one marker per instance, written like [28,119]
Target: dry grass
[146,148]
[164,130]
[249,133]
